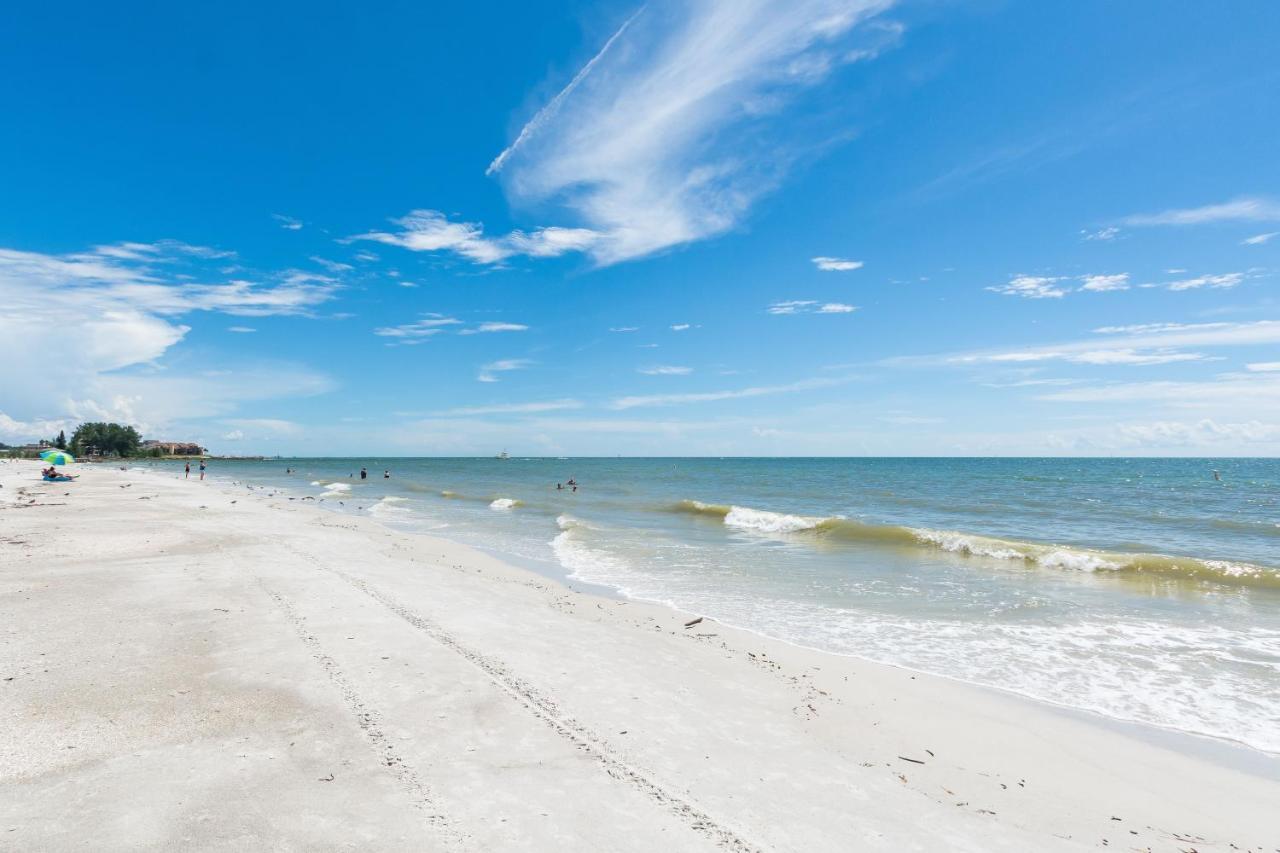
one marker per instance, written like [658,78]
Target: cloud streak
[1238,210]
[714,396]
[641,146]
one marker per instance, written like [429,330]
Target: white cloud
[15,431]
[712,396]
[1103,283]
[809,306]
[486,328]
[1134,344]
[1257,391]
[287,222]
[242,330]
[1258,239]
[665,370]
[1205,432]
[836,264]
[1239,210]
[118,307]
[680,327]
[1031,287]
[332,266]
[1102,234]
[488,373]
[430,324]
[1225,280]
[513,408]
[432,231]
[793,306]
[647,144]
[625,329]
[1264,366]
[233,435]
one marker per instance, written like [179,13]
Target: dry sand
[196,665]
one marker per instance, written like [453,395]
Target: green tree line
[104,439]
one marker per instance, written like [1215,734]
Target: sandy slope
[192,665]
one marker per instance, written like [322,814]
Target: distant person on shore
[364,474]
[201,469]
[186,471]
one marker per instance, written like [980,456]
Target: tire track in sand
[370,722]
[549,712]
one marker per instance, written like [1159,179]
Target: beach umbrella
[57,457]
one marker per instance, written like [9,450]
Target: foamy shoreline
[183,653]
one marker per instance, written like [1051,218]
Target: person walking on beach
[201,469]
[186,471]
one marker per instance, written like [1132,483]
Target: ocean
[1145,590]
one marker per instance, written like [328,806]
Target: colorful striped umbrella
[57,457]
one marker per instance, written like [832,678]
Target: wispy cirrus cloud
[809,306]
[1253,209]
[665,370]
[491,327]
[418,330]
[639,145]
[1222,281]
[1259,239]
[432,231]
[513,408]
[1104,283]
[827,264]
[1138,344]
[714,396]
[1031,287]
[490,371]
[288,223]
[1102,235]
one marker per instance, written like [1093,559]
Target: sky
[713,227]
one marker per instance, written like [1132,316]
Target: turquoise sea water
[1141,589]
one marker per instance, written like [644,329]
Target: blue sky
[822,227]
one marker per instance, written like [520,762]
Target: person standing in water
[363,474]
[186,471]
[201,469]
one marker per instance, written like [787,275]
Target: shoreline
[593,699]
[1223,750]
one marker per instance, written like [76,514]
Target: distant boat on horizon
[503,455]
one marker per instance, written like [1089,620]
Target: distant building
[174,448]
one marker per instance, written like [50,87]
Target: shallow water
[1142,589]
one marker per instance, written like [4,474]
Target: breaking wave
[1043,555]
[504,503]
[387,506]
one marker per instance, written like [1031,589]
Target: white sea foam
[958,543]
[337,487]
[387,506]
[1062,558]
[745,518]
[504,503]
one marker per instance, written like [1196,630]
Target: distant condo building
[174,448]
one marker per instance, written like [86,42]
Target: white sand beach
[192,665]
